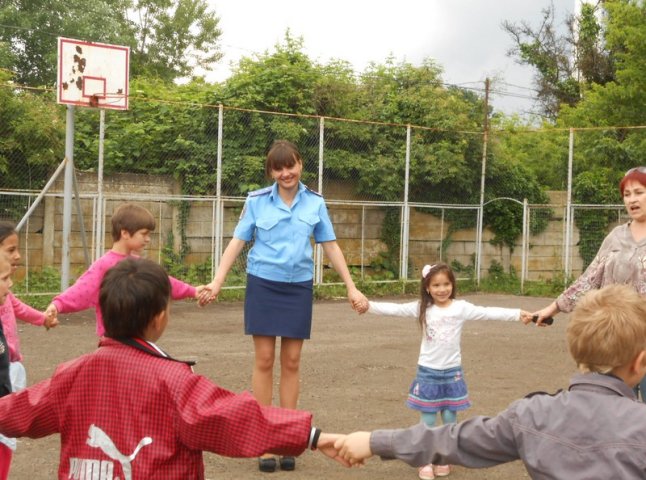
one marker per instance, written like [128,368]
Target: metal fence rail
[208,224]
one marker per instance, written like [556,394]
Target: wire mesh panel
[591,225]
[364,161]
[546,248]
[442,233]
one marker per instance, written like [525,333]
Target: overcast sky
[464,37]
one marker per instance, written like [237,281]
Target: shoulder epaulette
[533,394]
[262,191]
[312,191]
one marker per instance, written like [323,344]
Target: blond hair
[607,329]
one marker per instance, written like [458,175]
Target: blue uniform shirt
[282,250]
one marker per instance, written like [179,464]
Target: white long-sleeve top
[440,348]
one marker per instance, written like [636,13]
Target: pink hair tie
[426,269]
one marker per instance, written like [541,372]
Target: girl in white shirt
[439,386]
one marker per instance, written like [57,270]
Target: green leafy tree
[167,38]
[281,81]
[563,61]
[167,130]
[620,102]
[172,37]
[32,133]
[602,156]
[31,28]
[617,103]
[543,151]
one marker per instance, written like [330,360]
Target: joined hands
[349,450]
[358,301]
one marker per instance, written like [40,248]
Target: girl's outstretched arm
[26,313]
[409,309]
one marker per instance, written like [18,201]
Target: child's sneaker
[442,470]
[426,472]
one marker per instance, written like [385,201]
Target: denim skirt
[436,390]
[278,309]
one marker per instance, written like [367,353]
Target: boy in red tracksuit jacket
[130,411]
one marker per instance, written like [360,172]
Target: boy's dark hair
[131,218]
[6,230]
[132,293]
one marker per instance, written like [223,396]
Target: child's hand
[50,322]
[51,316]
[51,311]
[199,292]
[526,317]
[544,316]
[354,448]
[358,301]
[326,446]
[207,294]
[362,307]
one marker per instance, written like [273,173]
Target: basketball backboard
[92,74]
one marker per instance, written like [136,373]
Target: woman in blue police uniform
[281,219]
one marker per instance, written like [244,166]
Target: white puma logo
[99,439]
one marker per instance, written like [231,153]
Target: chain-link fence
[399,196]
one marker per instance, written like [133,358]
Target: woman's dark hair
[132,293]
[6,230]
[281,154]
[425,298]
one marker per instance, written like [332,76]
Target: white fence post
[318,251]
[218,221]
[403,265]
[568,209]
[524,249]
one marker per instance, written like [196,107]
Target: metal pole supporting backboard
[99,203]
[67,197]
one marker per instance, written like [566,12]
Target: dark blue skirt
[278,309]
[436,390]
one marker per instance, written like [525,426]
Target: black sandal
[287,463]
[267,464]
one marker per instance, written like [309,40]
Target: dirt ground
[355,375]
